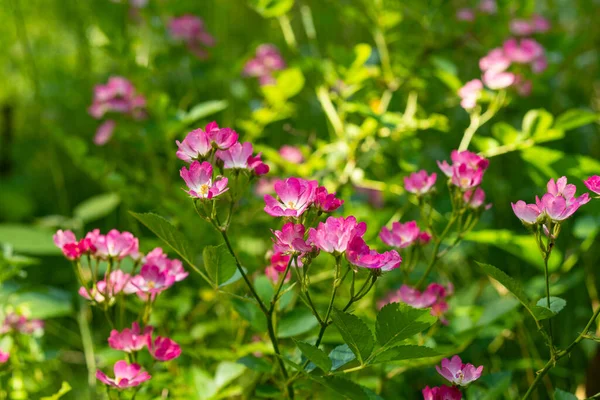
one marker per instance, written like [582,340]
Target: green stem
[436,248]
[547,276]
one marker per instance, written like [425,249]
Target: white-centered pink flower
[334,234]
[130,340]
[126,375]
[290,239]
[294,196]
[420,183]
[401,235]
[458,373]
[199,180]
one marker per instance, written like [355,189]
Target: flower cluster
[218,146]
[15,323]
[433,296]
[485,7]
[266,61]
[117,96]
[458,374]
[558,204]
[404,235]
[467,169]
[190,30]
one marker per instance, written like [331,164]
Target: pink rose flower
[475,199]
[199,180]
[498,80]
[4,356]
[173,267]
[465,14]
[278,265]
[458,373]
[196,145]
[163,348]
[419,183]
[130,340]
[290,240]
[295,195]
[359,254]
[401,235]
[190,30]
[239,156]
[523,51]
[495,61]
[116,245]
[221,138]
[126,376]
[334,234]
[441,393]
[326,202]
[469,93]
[291,154]
[264,64]
[593,184]
[151,280]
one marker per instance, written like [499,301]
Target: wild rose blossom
[151,280]
[334,234]
[458,373]
[19,323]
[130,340]
[469,93]
[196,145]
[264,64]
[295,195]
[526,27]
[475,199]
[433,296]
[239,156]
[467,169]
[593,184]
[358,253]
[163,348]
[488,6]
[497,80]
[524,51]
[401,235]
[190,30]
[441,393]
[4,356]
[115,244]
[173,267]
[420,183]
[278,265]
[495,61]
[118,281]
[199,180]
[221,138]
[290,239]
[126,375]
[326,202]
[291,154]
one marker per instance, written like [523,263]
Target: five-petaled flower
[401,235]
[290,239]
[593,184]
[163,348]
[458,373]
[358,253]
[420,183]
[126,375]
[295,195]
[130,340]
[199,180]
[334,234]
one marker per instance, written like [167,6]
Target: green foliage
[97,207]
[356,334]
[397,322]
[316,355]
[64,389]
[542,311]
[219,265]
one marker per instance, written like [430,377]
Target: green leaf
[342,386]
[509,283]
[271,8]
[226,372]
[290,82]
[340,356]
[399,353]
[171,236]
[355,333]
[316,355]
[64,389]
[218,267]
[203,110]
[28,239]
[296,322]
[536,123]
[555,163]
[542,311]
[45,302]
[250,311]
[575,118]
[397,322]
[97,207]
[505,133]
[562,395]
[264,288]
[255,363]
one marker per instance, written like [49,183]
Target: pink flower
[126,375]
[163,348]
[498,80]
[104,132]
[539,65]
[441,393]
[419,183]
[71,248]
[466,178]
[239,156]
[173,267]
[521,27]
[4,356]
[523,86]
[540,23]
[458,373]
[190,29]
[465,14]
[196,145]
[413,297]
[221,138]
[523,51]
[295,195]
[334,235]
[593,184]
[118,282]
[200,182]
[20,323]
[63,237]
[291,154]
[278,265]
[267,60]
[290,239]
[475,199]
[401,235]
[116,245]
[488,6]
[359,254]
[265,186]
[471,160]
[326,202]
[495,61]
[433,296]
[257,165]
[556,207]
[527,213]
[152,280]
[469,93]
[129,340]
[424,238]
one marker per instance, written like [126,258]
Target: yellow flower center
[291,205]
[204,189]
[151,285]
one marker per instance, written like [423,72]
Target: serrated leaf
[572,119]
[340,356]
[316,355]
[562,395]
[397,322]
[97,207]
[399,353]
[218,267]
[355,333]
[542,311]
[171,236]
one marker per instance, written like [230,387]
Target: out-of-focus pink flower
[334,234]
[540,24]
[160,259]
[278,265]
[196,145]
[71,248]
[441,393]
[458,373]
[200,182]
[130,340]
[466,178]
[488,6]
[19,323]
[424,238]
[290,239]
[295,195]
[265,186]
[465,14]
[413,297]
[151,280]
[116,245]
[527,213]
[256,164]
[63,237]
[163,348]
[358,253]
[475,199]
[4,356]
[190,29]
[401,235]
[521,27]
[264,64]
[523,51]
[523,86]
[495,61]
[419,183]
[433,296]
[469,93]
[593,184]
[539,65]
[498,80]
[221,138]
[291,154]
[326,202]
[104,132]
[126,375]
[118,282]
